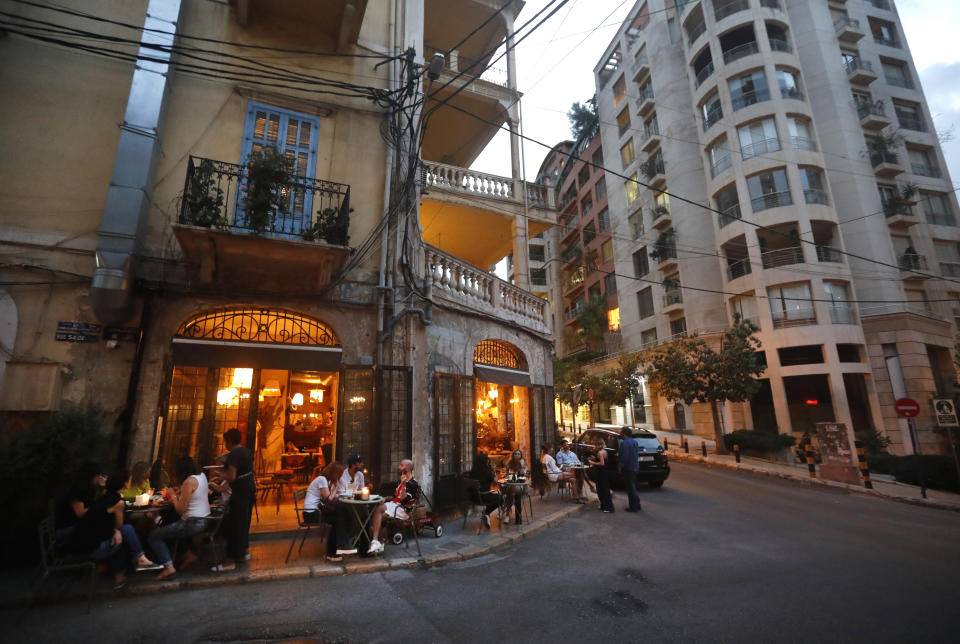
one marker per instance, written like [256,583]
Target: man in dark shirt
[629,457]
[239,472]
[72,506]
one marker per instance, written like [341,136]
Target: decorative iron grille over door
[396,426]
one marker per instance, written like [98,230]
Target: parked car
[654,468]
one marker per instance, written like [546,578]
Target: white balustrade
[458,281]
[441,176]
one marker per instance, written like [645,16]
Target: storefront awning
[189,352]
[501,375]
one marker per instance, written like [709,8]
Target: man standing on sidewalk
[629,458]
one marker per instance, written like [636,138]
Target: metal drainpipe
[134,169]
[382,291]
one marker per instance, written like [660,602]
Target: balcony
[782,257]
[913,123]
[771,4]
[814,196]
[712,117]
[873,115]
[859,71]
[776,44]
[654,171]
[574,282]
[887,42]
[848,30]
[460,283]
[762,146]
[911,262]
[771,200]
[829,254]
[644,102]
[925,170]
[842,314]
[800,316]
[739,269]
[704,74]
[718,166]
[694,31]
[650,138]
[661,217]
[901,307]
[749,98]
[803,143]
[305,234]
[899,215]
[729,215]
[791,92]
[899,81]
[721,11]
[666,256]
[940,218]
[463,181]
[672,301]
[740,51]
[569,254]
[640,67]
[885,164]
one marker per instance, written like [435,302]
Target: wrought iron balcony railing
[215,194]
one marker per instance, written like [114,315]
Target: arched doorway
[273,374]
[495,408]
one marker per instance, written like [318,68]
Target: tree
[583,117]
[618,385]
[688,369]
[593,323]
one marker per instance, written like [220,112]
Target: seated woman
[193,506]
[516,465]
[102,530]
[552,470]
[482,472]
[139,481]
[320,505]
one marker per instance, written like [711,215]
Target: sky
[555,68]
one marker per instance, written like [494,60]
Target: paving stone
[270,574]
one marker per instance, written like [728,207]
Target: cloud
[943,97]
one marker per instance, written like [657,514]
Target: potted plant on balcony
[651,167]
[906,196]
[202,201]
[331,225]
[269,175]
[660,210]
[665,247]
[880,147]
[670,284]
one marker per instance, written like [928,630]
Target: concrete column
[513,112]
[521,261]
[841,407]
[780,407]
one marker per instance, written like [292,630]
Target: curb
[286,573]
[856,489]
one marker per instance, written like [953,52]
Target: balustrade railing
[458,281]
[704,73]
[829,254]
[771,200]
[763,146]
[440,176]
[739,269]
[750,98]
[740,51]
[782,257]
[812,195]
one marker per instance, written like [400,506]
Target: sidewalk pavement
[883,486]
[268,551]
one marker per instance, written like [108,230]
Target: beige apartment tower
[787,169]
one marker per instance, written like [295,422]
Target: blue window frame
[295,136]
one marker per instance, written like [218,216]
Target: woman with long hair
[482,473]
[320,505]
[191,502]
[513,493]
[600,474]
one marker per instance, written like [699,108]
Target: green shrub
[758,441]
[38,464]
[939,471]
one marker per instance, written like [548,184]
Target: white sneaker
[375,547]
[350,551]
[506,518]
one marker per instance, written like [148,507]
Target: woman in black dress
[600,474]
[239,474]
[482,473]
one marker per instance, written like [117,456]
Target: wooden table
[355,505]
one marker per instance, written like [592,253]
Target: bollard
[811,466]
[666,443]
[864,466]
[703,449]
[736,451]
[686,445]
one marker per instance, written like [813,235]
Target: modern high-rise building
[779,160]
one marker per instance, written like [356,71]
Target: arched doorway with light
[273,374]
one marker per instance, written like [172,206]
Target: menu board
[836,453]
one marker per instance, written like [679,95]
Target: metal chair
[304,526]
[473,498]
[52,561]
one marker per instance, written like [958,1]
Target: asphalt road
[715,556]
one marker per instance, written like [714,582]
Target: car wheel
[656,484]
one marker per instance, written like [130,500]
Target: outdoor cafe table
[356,505]
[154,506]
[580,471]
[515,487]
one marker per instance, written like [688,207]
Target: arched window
[251,324]
[498,353]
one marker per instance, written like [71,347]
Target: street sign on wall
[907,408]
[946,412]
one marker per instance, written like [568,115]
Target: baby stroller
[423,516]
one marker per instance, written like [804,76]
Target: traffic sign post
[909,408]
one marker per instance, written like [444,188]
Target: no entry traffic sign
[907,407]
